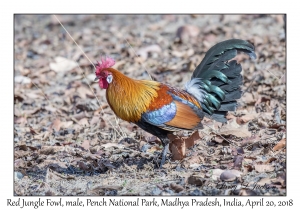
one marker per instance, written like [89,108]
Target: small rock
[236,173]
[18,176]
[49,193]
[22,80]
[247,192]
[156,191]
[145,147]
[227,176]
[238,162]
[111,193]
[240,150]
[177,188]
[214,174]
[195,180]
[62,64]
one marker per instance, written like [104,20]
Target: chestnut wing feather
[181,113]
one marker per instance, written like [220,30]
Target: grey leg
[164,154]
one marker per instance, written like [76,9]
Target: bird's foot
[163,155]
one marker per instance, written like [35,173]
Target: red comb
[106,62]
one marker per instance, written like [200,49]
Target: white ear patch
[109,78]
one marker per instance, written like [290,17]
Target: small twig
[122,132]
[253,79]
[74,41]
[124,135]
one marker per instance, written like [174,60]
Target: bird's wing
[180,111]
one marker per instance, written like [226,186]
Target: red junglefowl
[160,109]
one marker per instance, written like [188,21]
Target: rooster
[160,109]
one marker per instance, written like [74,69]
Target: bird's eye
[109,78]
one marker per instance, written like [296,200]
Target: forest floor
[66,142]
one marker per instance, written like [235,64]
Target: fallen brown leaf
[33,132]
[108,145]
[262,99]
[31,112]
[264,168]
[102,123]
[56,124]
[62,64]
[281,178]
[250,140]
[48,150]
[280,144]
[50,108]
[177,147]
[232,128]
[84,122]
[84,166]
[193,161]
[100,190]
[271,159]
[19,163]
[19,154]
[264,181]
[190,141]
[66,124]
[248,98]
[246,118]
[177,188]
[86,144]
[154,148]
[95,119]
[21,120]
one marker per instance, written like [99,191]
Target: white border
[153,6]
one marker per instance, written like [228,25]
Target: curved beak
[96,79]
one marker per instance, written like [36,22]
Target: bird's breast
[130,101]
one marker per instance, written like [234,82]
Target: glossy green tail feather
[218,79]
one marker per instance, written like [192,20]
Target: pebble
[227,176]
[156,191]
[195,180]
[22,79]
[18,176]
[145,147]
[214,174]
[236,172]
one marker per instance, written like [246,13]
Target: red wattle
[103,83]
